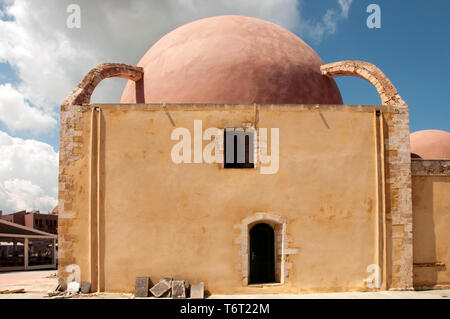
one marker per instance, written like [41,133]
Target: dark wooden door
[262,254]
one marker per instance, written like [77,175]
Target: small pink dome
[232,60]
[430,144]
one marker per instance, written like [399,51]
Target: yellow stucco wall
[160,219]
[431,211]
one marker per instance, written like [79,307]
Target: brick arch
[82,93]
[369,72]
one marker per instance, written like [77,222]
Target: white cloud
[345,7]
[51,59]
[28,175]
[328,25]
[17,114]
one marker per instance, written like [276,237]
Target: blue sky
[412,48]
[42,60]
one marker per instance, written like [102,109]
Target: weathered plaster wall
[431,208]
[398,173]
[161,219]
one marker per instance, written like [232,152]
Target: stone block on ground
[198,291]
[178,289]
[141,286]
[73,287]
[162,287]
[85,287]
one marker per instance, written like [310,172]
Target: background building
[24,248]
[34,219]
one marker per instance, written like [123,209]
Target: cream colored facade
[431,208]
[341,203]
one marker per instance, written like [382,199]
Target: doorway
[262,254]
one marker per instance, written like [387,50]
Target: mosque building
[232,160]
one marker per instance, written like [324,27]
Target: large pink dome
[232,60]
[430,144]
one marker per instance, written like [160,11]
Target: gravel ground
[37,283]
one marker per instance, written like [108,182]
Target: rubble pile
[74,290]
[165,288]
[168,288]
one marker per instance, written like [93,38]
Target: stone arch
[278,223]
[369,72]
[82,93]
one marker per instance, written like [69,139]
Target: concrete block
[178,289]
[141,286]
[162,287]
[198,291]
[186,287]
[85,287]
[168,293]
[73,287]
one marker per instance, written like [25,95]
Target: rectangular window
[40,252]
[238,148]
[12,253]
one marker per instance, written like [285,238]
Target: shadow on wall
[426,265]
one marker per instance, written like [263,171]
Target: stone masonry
[398,157]
[368,72]
[420,167]
[71,141]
